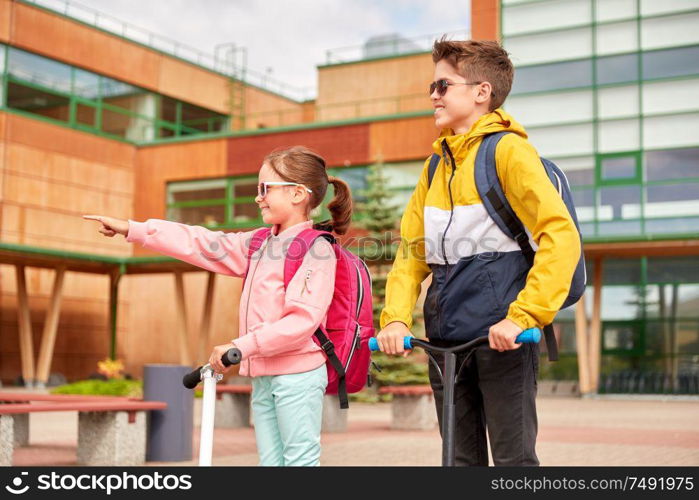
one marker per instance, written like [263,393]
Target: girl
[276,327]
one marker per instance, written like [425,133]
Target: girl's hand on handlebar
[390,339]
[502,336]
[217,354]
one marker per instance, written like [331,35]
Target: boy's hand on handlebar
[110,225]
[217,354]
[390,339]
[502,336]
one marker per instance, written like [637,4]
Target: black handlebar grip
[232,357]
[191,380]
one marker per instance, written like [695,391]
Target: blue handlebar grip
[532,335]
[374,344]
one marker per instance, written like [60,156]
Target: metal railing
[388,46]
[172,47]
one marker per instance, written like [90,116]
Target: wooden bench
[111,430]
[412,407]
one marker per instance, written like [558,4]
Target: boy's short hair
[479,61]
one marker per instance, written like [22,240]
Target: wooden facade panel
[54,36]
[192,84]
[149,337]
[342,145]
[76,144]
[157,165]
[266,110]
[485,19]
[5,20]
[401,140]
[49,228]
[386,86]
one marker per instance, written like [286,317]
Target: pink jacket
[276,328]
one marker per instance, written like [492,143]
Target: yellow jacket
[442,231]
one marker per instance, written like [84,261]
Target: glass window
[670,62]
[619,202]
[356,178]
[681,225]
[212,215]
[179,192]
[684,92]
[584,200]
[39,70]
[621,271]
[550,46]
[201,120]
[674,269]
[553,76]
[38,102]
[623,302]
[617,69]
[115,122]
[544,109]
[86,114]
[619,336]
[619,228]
[672,164]
[244,207]
[579,171]
[621,167]
[86,84]
[672,200]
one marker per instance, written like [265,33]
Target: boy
[482,284]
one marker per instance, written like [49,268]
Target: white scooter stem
[206,440]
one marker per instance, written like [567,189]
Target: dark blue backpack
[499,209]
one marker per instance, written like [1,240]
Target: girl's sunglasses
[441,86]
[263,187]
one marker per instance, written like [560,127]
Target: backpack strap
[258,239]
[495,202]
[432,168]
[294,257]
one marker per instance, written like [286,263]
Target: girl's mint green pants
[288,411]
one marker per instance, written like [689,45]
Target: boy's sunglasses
[263,187]
[441,86]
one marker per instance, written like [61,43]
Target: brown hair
[478,61]
[300,164]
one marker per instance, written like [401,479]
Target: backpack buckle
[328,347]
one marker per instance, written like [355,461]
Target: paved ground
[571,432]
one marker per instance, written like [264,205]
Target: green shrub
[397,370]
[111,387]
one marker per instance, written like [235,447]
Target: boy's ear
[485,91]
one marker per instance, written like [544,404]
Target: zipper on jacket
[257,264]
[449,159]
[306,288]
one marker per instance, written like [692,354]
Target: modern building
[97,116]
[609,90]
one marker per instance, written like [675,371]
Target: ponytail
[340,207]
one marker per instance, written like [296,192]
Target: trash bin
[170,431]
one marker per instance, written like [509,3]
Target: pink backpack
[349,324]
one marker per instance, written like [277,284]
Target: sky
[286,39]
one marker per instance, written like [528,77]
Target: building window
[218,203]
[96,103]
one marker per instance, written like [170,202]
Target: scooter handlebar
[532,335]
[231,357]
